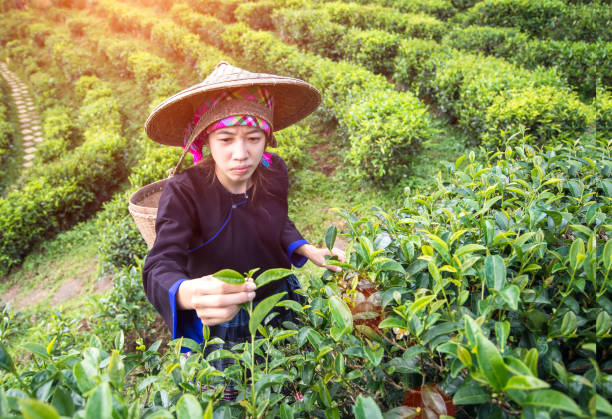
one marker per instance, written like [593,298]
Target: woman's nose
[240,149]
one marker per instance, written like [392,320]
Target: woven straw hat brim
[294,99]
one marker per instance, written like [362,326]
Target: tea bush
[603,106]
[465,86]
[60,132]
[387,19]
[442,9]
[546,113]
[543,18]
[7,130]
[583,64]
[257,15]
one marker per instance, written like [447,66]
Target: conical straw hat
[294,99]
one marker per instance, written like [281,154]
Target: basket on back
[143,208]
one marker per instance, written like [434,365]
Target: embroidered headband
[259,95]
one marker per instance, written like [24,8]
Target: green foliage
[293,143]
[584,64]
[543,18]
[258,15]
[388,19]
[347,91]
[477,91]
[374,49]
[60,132]
[385,129]
[546,113]
[7,133]
[603,106]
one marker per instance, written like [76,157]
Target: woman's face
[237,151]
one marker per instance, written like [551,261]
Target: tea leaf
[524,382]
[366,408]
[100,404]
[490,363]
[602,324]
[330,237]
[576,249]
[83,373]
[188,407]
[471,392]
[6,362]
[34,409]
[602,405]
[469,248]
[569,324]
[464,356]
[37,349]
[552,399]
[607,254]
[531,359]
[495,272]
[271,275]
[502,331]
[262,309]
[229,276]
[340,312]
[510,295]
[116,371]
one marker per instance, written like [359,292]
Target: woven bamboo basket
[143,208]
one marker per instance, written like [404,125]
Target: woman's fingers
[209,285]
[339,253]
[224,314]
[222,300]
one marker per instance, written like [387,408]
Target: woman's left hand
[317,255]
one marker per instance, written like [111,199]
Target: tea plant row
[471,292]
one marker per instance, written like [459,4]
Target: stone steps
[26,114]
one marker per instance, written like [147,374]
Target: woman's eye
[255,139]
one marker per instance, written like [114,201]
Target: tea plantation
[461,153]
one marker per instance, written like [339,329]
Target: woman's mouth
[240,170]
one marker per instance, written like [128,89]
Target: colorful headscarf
[255,93]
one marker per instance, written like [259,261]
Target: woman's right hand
[214,301]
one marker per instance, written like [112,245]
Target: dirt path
[28,117]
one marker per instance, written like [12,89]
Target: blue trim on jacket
[185,323]
[297,260]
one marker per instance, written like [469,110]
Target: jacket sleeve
[291,239]
[165,264]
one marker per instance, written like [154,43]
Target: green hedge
[546,113]
[7,132]
[584,65]
[442,9]
[71,188]
[385,18]
[544,18]
[465,85]
[603,105]
[61,133]
[373,49]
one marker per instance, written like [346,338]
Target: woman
[229,210]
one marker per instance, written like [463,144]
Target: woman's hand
[317,255]
[214,301]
